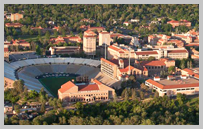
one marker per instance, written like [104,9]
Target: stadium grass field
[52,84]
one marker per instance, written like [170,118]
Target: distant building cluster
[187,83]
[179,23]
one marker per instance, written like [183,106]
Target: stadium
[51,73]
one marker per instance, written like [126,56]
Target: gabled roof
[153,63]
[68,85]
[171,86]
[88,87]
[146,52]
[177,51]
[189,71]
[109,62]
[126,69]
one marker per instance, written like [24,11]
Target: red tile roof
[68,85]
[192,44]
[146,52]
[190,72]
[104,32]
[126,69]
[145,69]
[5,49]
[109,62]
[177,51]
[171,86]
[89,32]
[196,75]
[153,63]
[13,24]
[97,82]
[88,87]
[115,35]
[89,36]
[116,49]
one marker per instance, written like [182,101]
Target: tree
[115,98]
[65,44]
[24,122]
[134,96]
[14,120]
[9,38]
[156,94]
[142,97]
[126,95]
[71,33]
[47,35]
[76,120]
[55,33]
[191,66]
[17,109]
[38,50]
[79,105]
[143,86]
[39,33]
[171,69]
[19,85]
[151,58]
[188,64]
[63,33]
[182,64]
[132,78]
[62,120]
[42,109]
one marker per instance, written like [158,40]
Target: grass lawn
[52,84]
[32,37]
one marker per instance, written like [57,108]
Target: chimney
[121,63]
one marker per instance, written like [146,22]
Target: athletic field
[52,84]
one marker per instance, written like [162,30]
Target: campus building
[89,42]
[190,73]
[59,39]
[179,23]
[15,25]
[21,43]
[120,51]
[104,38]
[98,29]
[171,53]
[64,50]
[83,92]
[119,69]
[174,85]
[156,66]
[15,16]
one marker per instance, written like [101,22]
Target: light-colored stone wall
[89,45]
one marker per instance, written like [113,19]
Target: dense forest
[103,14]
[158,111]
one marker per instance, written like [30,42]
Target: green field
[52,84]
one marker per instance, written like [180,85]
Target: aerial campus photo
[101,64]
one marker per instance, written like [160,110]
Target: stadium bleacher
[35,67]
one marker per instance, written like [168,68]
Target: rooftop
[175,83]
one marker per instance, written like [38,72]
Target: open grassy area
[30,37]
[52,84]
